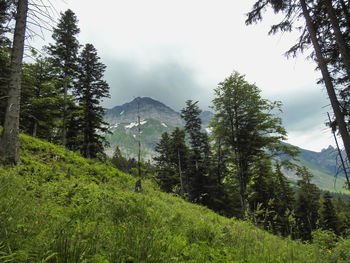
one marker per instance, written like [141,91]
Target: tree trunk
[327,79]
[65,111]
[180,173]
[9,145]
[344,51]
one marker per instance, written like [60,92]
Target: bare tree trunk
[9,145]
[35,128]
[327,79]
[65,110]
[344,50]
[180,173]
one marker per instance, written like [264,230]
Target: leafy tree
[307,204]
[65,57]
[328,216]
[248,127]
[9,144]
[90,90]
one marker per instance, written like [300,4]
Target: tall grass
[58,207]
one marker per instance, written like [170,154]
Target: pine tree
[200,152]
[328,215]
[166,171]
[119,161]
[65,56]
[90,90]
[307,204]
[271,197]
[172,163]
[39,100]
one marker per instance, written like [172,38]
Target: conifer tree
[65,56]
[40,97]
[172,162]
[166,170]
[328,215]
[200,152]
[119,161]
[307,204]
[90,90]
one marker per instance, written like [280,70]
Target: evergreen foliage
[40,97]
[307,205]
[328,216]
[199,166]
[89,91]
[173,162]
[65,52]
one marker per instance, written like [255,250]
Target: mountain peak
[147,108]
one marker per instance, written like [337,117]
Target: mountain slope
[147,108]
[59,207]
[158,118]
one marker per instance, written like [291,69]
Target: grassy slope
[59,207]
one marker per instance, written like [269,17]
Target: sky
[173,51]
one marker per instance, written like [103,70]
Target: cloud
[168,81]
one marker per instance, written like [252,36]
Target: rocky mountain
[157,118]
[147,108]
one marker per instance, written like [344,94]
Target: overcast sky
[173,51]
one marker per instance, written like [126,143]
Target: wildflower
[36,222]
[329,251]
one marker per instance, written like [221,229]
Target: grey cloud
[305,111]
[168,82]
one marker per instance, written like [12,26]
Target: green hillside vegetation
[126,139]
[324,180]
[59,207]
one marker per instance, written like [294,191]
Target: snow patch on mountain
[133,124]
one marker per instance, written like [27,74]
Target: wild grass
[59,207]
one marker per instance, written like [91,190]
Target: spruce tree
[200,152]
[90,90]
[39,100]
[65,56]
[328,216]
[307,204]
[166,171]
[172,163]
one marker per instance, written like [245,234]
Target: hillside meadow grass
[56,206]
